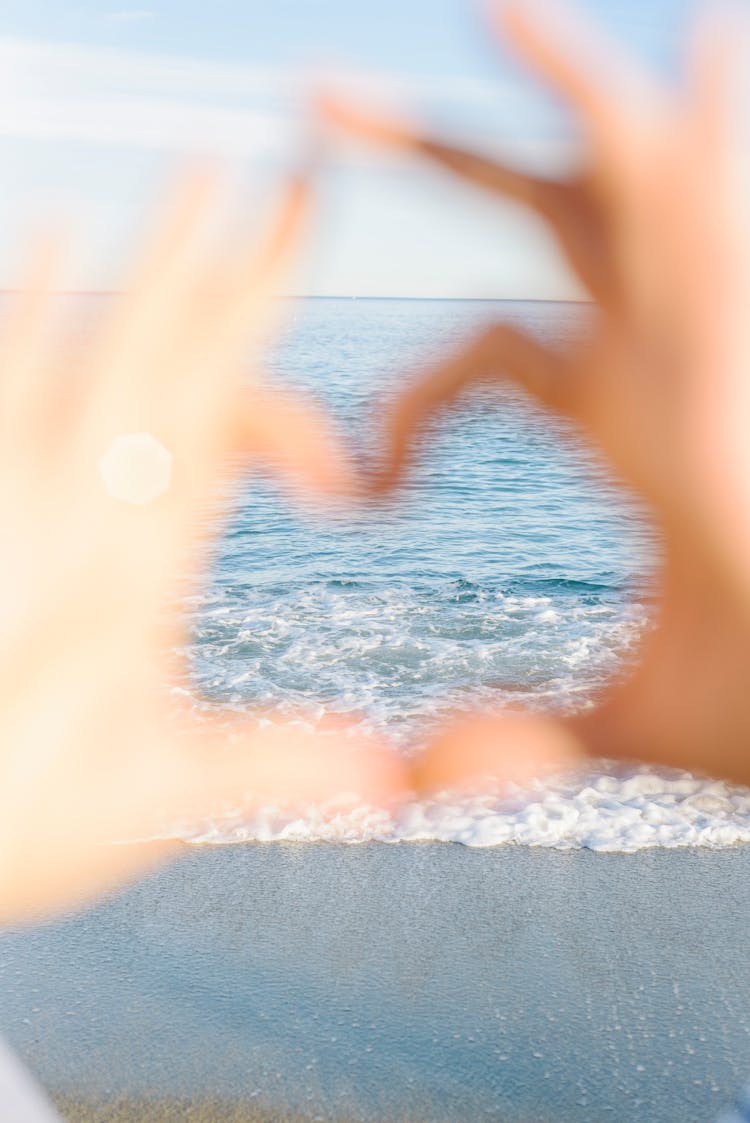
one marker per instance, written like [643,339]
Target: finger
[179,221]
[60,874]
[580,63]
[25,344]
[500,179]
[234,308]
[279,246]
[293,439]
[280,434]
[378,127]
[501,352]
[717,55]
[279,763]
[488,750]
[130,807]
[492,176]
[176,359]
[247,291]
[208,407]
[135,355]
[569,207]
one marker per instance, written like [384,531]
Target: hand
[655,226]
[92,753]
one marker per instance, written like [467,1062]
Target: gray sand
[410,982]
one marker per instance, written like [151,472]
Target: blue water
[401,982]
[508,567]
[511,570]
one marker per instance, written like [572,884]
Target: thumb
[488,749]
[280,762]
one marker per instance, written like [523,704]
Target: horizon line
[352,296]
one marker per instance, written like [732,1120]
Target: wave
[404,654]
[606,809]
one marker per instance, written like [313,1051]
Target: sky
[103,100]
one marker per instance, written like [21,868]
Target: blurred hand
[92,753]
[655,225]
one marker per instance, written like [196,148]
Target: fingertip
[515,20]
[717,46]
[302,175]
[489,749]
[328,106]
[500,14]
[298,191]
[383,486]
[372,125]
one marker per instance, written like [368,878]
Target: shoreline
[81,1110]
[186,846]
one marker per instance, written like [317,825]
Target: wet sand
[395,983]
[170,1111]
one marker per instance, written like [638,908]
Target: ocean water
[417,981]
[511,569]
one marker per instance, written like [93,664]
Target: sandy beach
[394,983]
[209,1110]
[329,456]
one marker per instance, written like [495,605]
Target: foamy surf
[513,574]
[609,810]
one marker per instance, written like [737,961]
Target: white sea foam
[506,577]
[404,656]
[399,660]
[609,809]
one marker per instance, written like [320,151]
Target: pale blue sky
[100,99]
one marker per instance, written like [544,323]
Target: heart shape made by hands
[659,383]
[92,754]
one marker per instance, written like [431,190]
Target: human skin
[655,226]
[93,749]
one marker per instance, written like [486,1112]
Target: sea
[575,950]
[511,570]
